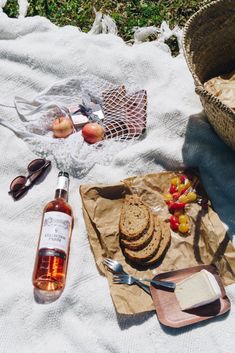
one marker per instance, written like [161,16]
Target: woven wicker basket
[209,47]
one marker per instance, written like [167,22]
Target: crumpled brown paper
[223,87]
[206,244]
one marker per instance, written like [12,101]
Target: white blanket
[34,54]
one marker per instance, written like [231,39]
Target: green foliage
[127,14]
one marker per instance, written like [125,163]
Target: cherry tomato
[175,226]
[183,219]
[183,178]
[175,181]
[174,219]
[181,187]
[177,206]
[183,227]
[176,195]
[173,189]
[174,223]
[183,198]
[170,203]
[168,197]
[192,196]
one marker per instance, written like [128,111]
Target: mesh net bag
[125,114]
[124,121]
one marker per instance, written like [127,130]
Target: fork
[115,267]
[128,279]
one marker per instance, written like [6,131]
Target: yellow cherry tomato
[183,219]
[192,196]
[183,227]
[181,187]
[168,197]
[175,181]
[183,198]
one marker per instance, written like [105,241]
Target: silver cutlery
[115,267]
[122,278]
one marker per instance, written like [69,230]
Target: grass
[127,14]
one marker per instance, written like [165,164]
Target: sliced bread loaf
[150,250]
[165,242]
[134,218]
[143,241]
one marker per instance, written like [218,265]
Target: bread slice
[150,250]
[143,241]
[134,218]
[165,242]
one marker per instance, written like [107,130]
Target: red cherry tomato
[176,195]
[175,226]
[170,208]
[174,222]
[169,203]
[173,189]
[174,219]
[183,178]
[176,206]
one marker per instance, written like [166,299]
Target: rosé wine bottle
[52,255]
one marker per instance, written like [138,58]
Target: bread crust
[134,218]
[164,244]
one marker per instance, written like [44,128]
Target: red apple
[93,132]
[62,127]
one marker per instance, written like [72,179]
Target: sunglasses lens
[22,183]
[17,184]
[36,165]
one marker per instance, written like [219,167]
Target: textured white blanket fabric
[34,54]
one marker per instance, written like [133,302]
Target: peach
[62,127]
[93,132]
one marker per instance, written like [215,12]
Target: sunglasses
[21,184]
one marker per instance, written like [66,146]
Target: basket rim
[199,86]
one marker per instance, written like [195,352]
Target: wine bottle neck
[62,188]
[61,194]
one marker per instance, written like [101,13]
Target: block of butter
[199,289]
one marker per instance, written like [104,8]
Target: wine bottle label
[56,229]
[63,183]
